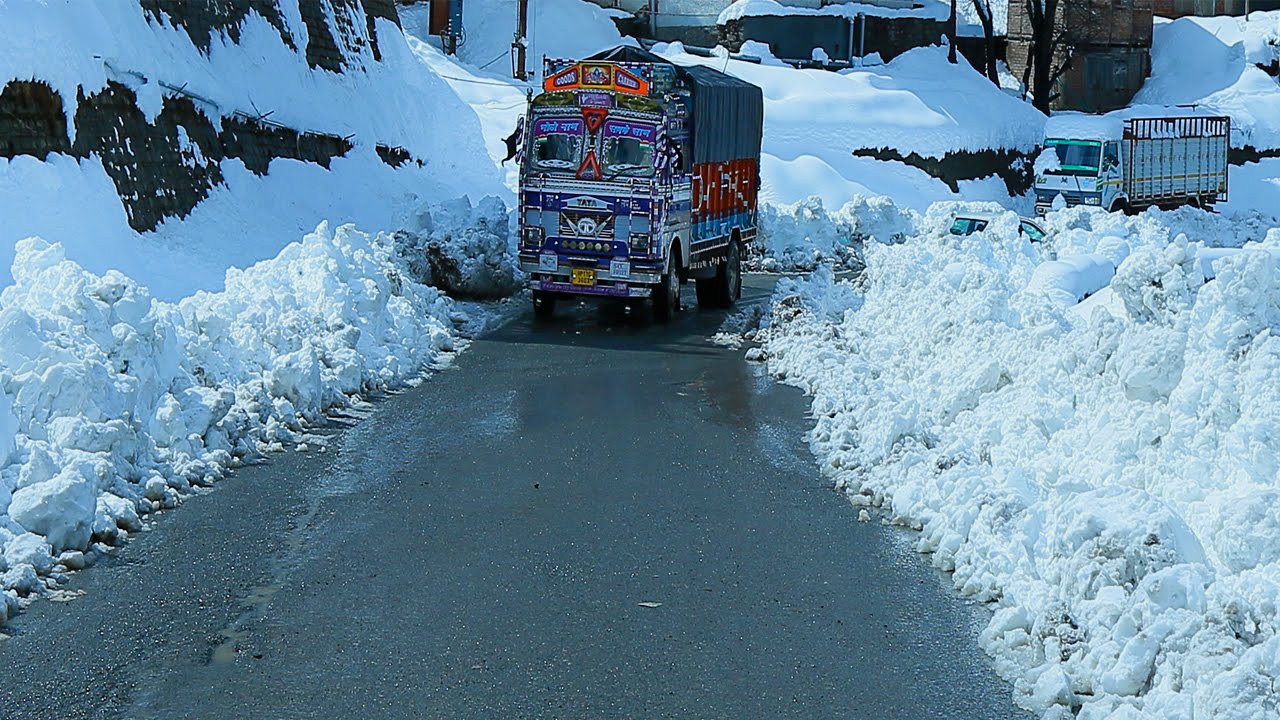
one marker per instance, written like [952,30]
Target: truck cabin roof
[728,112]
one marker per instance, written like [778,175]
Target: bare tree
[987,18]
[1049,54]
[951,34]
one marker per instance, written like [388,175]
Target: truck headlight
[639,241]
[1092,200]
[532,236]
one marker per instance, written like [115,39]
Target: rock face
[165,166]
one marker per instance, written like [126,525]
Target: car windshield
[967,226]
[628,148]
[557,143]
[1076,157]
[1033,233]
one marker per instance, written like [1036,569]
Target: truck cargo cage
[1175,159]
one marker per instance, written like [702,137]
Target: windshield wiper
[625,168]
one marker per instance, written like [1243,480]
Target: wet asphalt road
[479,548]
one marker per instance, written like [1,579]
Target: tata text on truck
[637,176]
[1131,163]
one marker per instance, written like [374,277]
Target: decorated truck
[1130,163]
[638,175]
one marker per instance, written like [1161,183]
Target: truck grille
[586,225]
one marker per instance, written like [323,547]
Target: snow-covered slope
[391,100]
[1106,478]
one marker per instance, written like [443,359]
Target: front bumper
[1044,200]
[638,283]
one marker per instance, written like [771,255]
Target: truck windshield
[628,148]
[557,143]
[1076,157]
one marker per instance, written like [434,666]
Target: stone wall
[1011,166]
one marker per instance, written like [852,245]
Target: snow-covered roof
[935,9]
[1080,126]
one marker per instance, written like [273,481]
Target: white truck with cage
[1129,163]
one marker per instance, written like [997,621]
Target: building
[1107,50]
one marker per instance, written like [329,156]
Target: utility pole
[520,44]
[653,19]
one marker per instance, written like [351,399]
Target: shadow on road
[609,325]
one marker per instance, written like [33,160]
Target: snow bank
[1106,480]
[121,403]
[801,236]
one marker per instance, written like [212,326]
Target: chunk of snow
[60,509]
[1068,280]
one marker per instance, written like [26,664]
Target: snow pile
[800,236]
[918,103]
[123,402]
[464,251]
[1106,479]
[395,100]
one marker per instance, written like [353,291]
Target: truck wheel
[1120,206]
[725,288]
[544,306]
[666,297]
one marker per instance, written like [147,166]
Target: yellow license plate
[581,276]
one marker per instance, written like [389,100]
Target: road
[580,520]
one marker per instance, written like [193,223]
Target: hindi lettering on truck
[638,176]
[1132,163]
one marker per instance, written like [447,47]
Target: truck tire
[1120,206]
[725,288]
[544,306]
[666,296]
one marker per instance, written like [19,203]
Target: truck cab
[1088,171]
